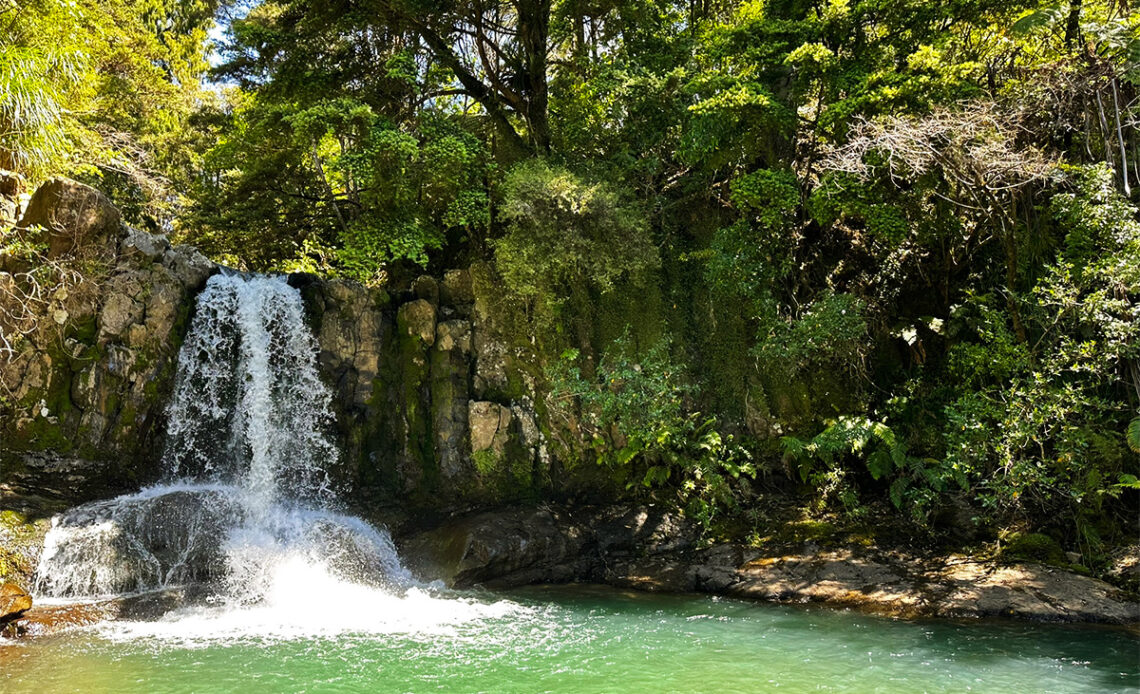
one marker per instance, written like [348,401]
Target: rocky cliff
[435,392]
[93,314]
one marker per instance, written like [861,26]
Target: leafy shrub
[634,410]
[565,233]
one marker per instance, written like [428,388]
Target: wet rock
[500,549]
[140,543]
[649,549]
[39,481]
[14,601]
[58,619]
[520,546]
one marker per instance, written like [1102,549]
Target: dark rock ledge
[647,549]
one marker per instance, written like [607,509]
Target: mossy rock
[1032,547]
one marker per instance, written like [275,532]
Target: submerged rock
[57,619]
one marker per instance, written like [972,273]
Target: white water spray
[246,508]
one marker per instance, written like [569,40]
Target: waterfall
[246,504]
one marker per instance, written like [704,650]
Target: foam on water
[304,601]
[247,507]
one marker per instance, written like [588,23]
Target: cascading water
[246,508]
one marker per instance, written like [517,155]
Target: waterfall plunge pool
[564,639]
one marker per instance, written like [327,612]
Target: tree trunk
[1073,24]
[534,35]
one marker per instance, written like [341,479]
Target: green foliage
[336,186]
[1037,426]
[1032,547]
[565,234]
[825,460]
[1132,435]
[847,212]
[42,74]
[103,91]
[830,331]
[635,412]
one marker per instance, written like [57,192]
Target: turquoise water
[575,639]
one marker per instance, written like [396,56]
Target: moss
[13,521]
[487,463]
[1032,547]
[83,329]
[19,541]
[415,397]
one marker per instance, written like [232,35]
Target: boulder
[11,183]
[14,601]
[76,217]
[456,288]
[190,268]
[501,549]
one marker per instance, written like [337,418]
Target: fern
[1132,435]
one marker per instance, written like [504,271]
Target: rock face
[434,383]
[535,545]
[411,370]
[74,216]
[92,361]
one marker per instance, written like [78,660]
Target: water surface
[569,639]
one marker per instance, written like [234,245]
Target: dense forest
[882,256]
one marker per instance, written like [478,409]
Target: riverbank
[653,550]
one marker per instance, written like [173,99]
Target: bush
[634,411]
[565,233]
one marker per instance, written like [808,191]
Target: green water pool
[572,639]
